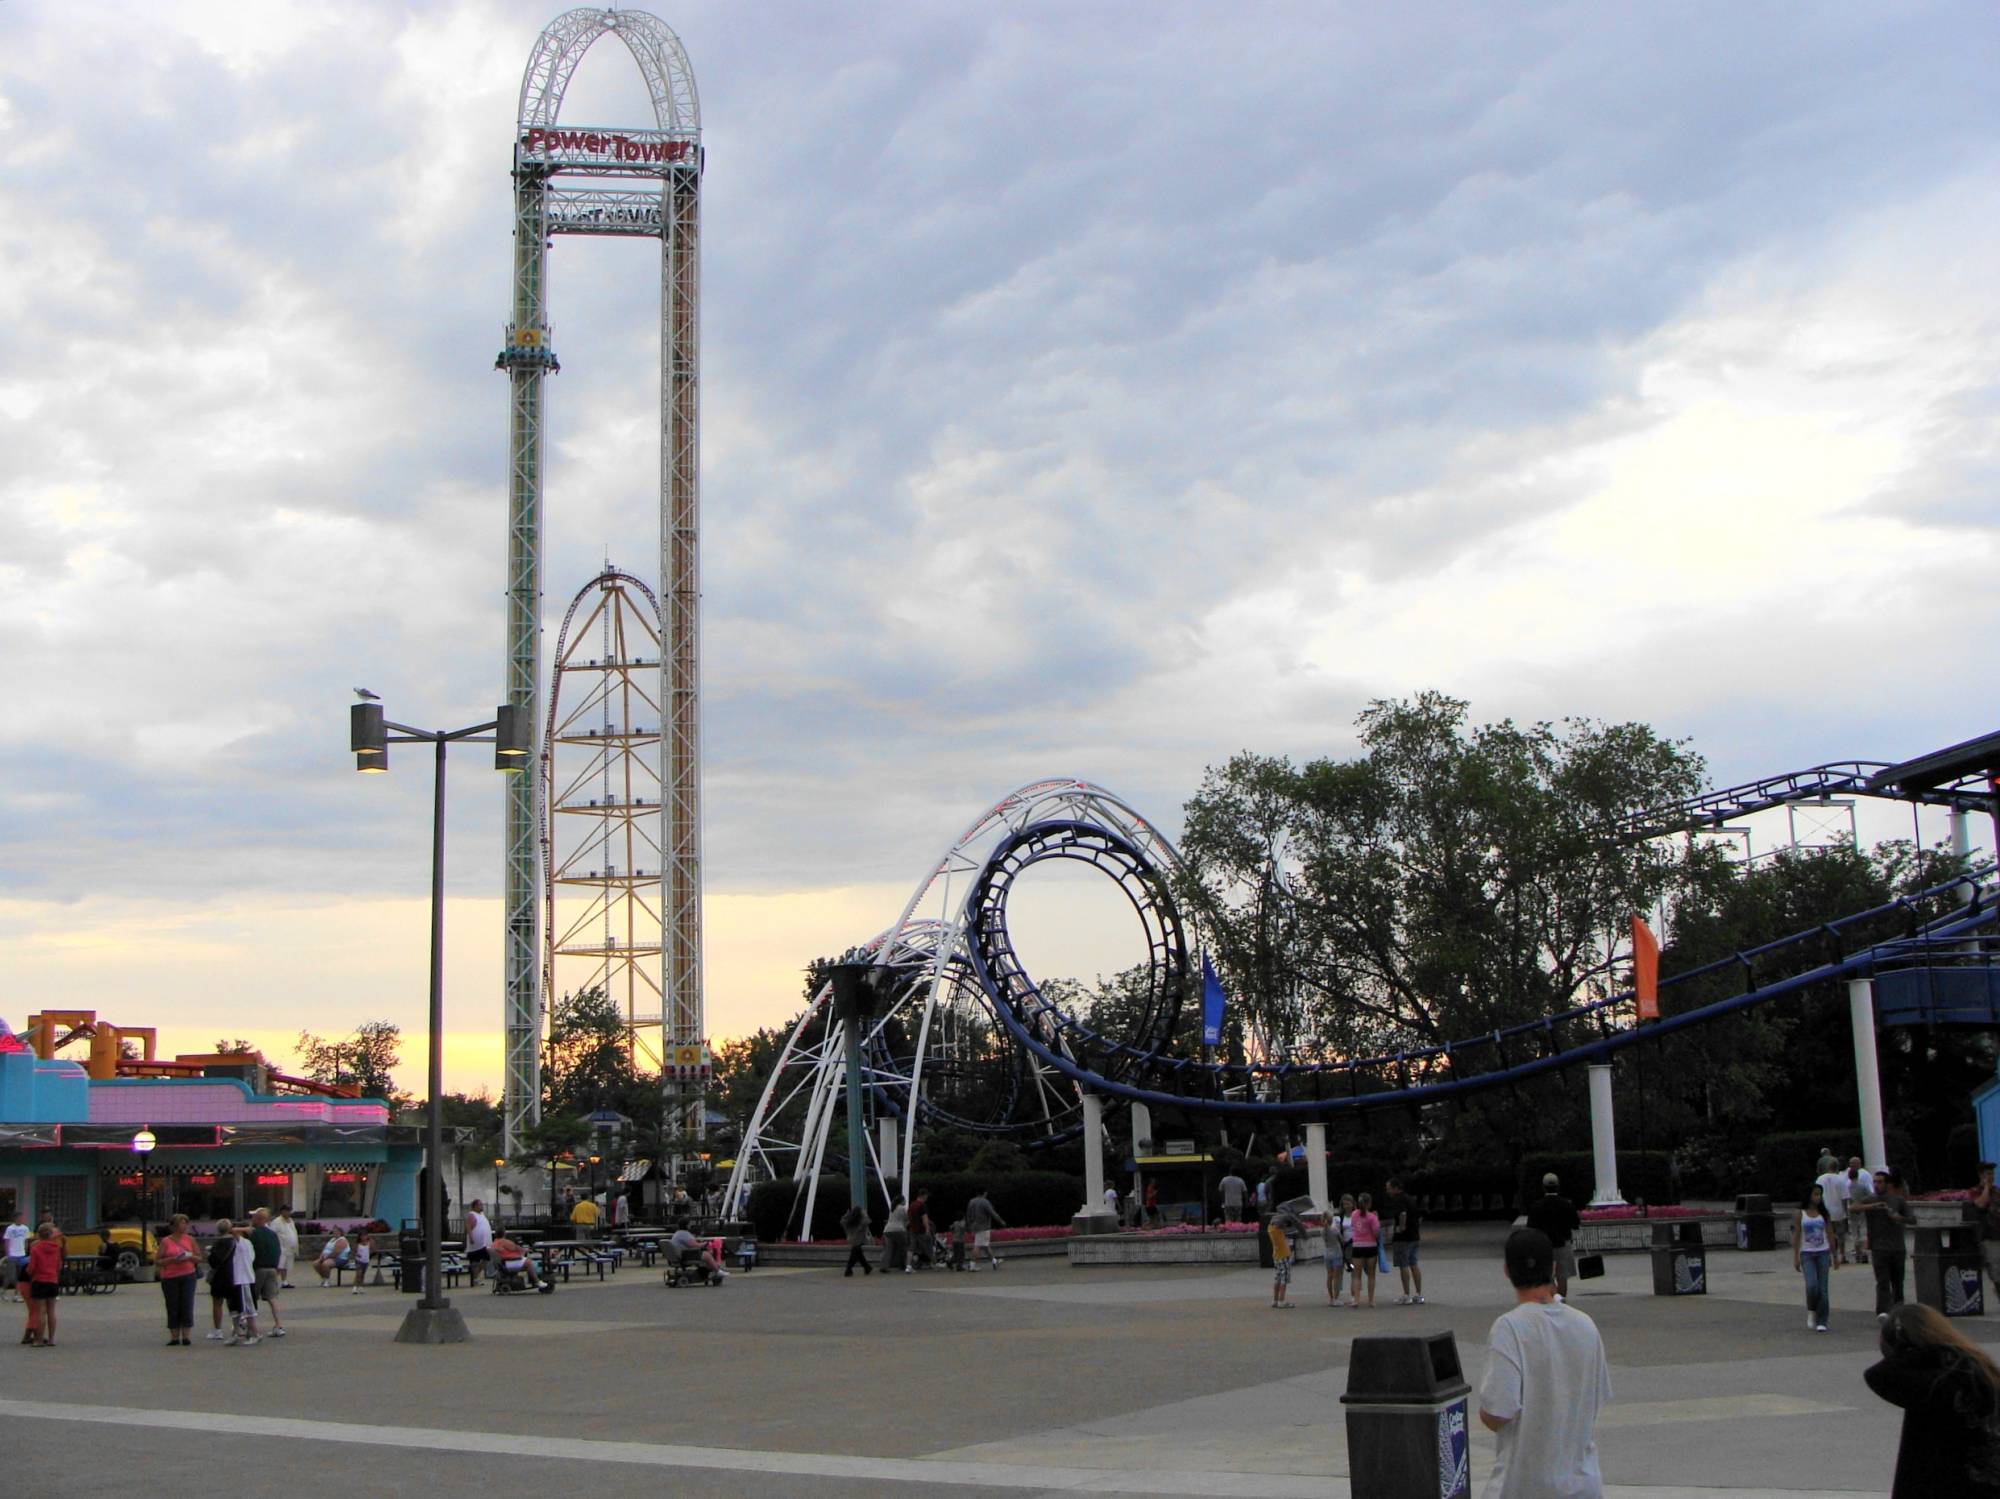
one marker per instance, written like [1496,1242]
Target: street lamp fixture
[370,733]
[142,1146]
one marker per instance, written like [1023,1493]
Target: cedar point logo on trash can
[1454,1459]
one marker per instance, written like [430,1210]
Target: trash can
[1406,1418]
[1680,1263]
[1756,1224]
[1265,1259]
[410,1266]
[1948,1270]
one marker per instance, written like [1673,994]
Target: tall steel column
[527,357]
[680,680]
[656,195]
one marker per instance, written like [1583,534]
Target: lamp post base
[433,1324]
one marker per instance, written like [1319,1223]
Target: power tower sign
[635,182]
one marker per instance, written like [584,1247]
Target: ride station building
[125,1137]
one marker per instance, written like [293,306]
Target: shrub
[1023,1198]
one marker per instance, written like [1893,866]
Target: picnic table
[560,1256]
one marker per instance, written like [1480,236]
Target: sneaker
[1402,1301]
[251,1341]
[277,1332]
[1416,1301]
[325,1284]
[217,1337]
[285,1285]
[1820,1328]
[232,1343]
[1810,1321]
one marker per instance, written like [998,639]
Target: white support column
[890,1157]
[1867,1080]
[1316,1165]
[1092,1217]
[1093,1153]
[1603,1137]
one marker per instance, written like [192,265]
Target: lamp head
[368,737]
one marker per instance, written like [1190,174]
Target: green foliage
[1453,880]
[997,1158]
[587,1056]
[367,1060]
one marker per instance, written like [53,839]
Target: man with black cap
[1555,1216]
[1546,1380]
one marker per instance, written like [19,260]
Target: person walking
[242,1289]
[896,1234]
[478,1241]
[363,1250]
[854,1223]
[621,1211]
[1405,1219]
[1860,1183]
[1111,1200]
[14,1266]
[221,1276]
[1283,1229]
[1833,1188]
[1812,1256]
[1886,1212]
[178,1257]
[1986,1201]
[1546,1380]
[981,1218]
[1153,1204]
[1339,1252]
[923,1233]
[266,1256]
[45,1258]
[1367,1231]
[288,1245]
[1949,1392]
[1232,1187]
[1555,1217]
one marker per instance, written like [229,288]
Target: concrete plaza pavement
[1038,1379]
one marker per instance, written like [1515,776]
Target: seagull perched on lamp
[366,696]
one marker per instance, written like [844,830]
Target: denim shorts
[1403,1255]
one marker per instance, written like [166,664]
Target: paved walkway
[1040,1379]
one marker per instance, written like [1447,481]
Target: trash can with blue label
[1407,1407]
[1947,1269]
[1756,1224]
[1680,1263]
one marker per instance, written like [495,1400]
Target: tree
[367,1060]
[236,1048]
[587,1058]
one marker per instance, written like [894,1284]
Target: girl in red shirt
[45,1259]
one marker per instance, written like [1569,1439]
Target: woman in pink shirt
[1366,1229]
[179,1259]
[45,1257]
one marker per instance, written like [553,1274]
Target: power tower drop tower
[642,183]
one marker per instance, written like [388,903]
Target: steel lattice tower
[642,183]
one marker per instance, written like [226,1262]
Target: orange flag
[1645,969]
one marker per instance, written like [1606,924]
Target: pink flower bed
[1194,1228]
[1628,1212]
[1957,1194]
[1000,1235]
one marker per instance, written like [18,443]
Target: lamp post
[498,1162]
[142,1147]
[854,982]
[433,1319]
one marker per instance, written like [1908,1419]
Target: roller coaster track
[968,1001]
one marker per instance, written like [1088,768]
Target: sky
[1087,390]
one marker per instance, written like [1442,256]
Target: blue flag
[1211,1004]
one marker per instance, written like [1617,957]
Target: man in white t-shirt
[1546,1379]
[1857,1181]
[1232,1187]
[478,1241]
[1833,1184]
[15,1266]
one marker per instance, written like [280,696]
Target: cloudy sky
[1091,390]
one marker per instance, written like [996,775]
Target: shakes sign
[611,152]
